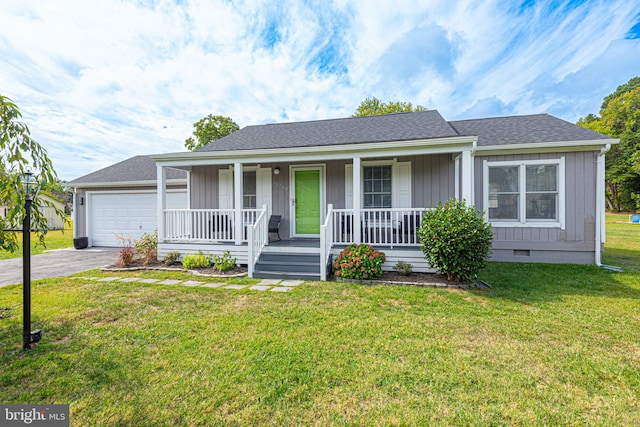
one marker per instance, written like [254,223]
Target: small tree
[18,153]
[455,240]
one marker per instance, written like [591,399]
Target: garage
[126,213]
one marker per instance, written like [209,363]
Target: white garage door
[125,214]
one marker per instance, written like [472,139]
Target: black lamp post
[30,192]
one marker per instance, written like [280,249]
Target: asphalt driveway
[56,263]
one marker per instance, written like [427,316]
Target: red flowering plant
[359,262]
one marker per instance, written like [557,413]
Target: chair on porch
[346,228]
[274,225]
[407,229]
[221,228]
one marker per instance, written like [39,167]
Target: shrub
[147,245]
[223,262]
[455,240]
[359,262]
[198,260]
[403,268]
[171,258]
[126,255]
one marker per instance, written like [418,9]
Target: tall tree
[209,129]
[374,107]
[620,118]
[18,153]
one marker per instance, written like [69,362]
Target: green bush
[147,245]
[198,260]
[455,240]
[403,268]
[359,262]
[223,262]
[171,258]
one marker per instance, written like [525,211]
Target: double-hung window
[377,186]
[525,193]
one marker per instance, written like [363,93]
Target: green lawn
[547,345]
[54,239]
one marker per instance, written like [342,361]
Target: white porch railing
[206,224]
[258,237]
[326,241]
[389,226]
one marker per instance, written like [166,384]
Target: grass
[547,345]
[623,242]
[54,239]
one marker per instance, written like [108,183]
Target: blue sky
[99,82]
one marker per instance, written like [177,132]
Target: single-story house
[330,183]
[121,200]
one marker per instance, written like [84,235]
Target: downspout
[600,218]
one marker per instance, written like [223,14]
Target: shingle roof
[135,169]
[496,131]
[524,130]
[353,130]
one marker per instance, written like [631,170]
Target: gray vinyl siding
[80,226]
[204,187]
[574,244]
[432,181]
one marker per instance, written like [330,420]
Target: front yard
[54,239]
[548,345]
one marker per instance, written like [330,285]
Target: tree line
[620,118]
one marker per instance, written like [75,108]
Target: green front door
[307,202]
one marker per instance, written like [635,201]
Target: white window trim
[561,223]
[394,179]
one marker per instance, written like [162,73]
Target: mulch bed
[417,279]
[209,272]
[388,277]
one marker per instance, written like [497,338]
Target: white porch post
[357,201]
[466,192]
[456,176]
[237,199]
[162,200]
[189,189]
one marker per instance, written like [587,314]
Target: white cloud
[98,82]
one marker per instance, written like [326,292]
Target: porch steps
[288,265]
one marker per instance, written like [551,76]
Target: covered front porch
[247,237]
[326,199]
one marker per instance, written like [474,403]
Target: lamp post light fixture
[30,187]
